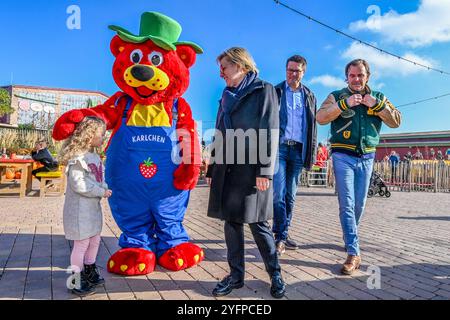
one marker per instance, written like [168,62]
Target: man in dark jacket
[297,150]
[42,155]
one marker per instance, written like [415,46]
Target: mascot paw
[183,256]
[186,177]
[132,262]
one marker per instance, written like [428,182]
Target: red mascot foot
[182,256]
[132,262]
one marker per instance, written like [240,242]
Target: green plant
[12,149]
[5,102]
[26,126]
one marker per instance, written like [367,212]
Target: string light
[361,41]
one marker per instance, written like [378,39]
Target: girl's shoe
[92,275]
[82,287]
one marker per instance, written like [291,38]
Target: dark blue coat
[310,150]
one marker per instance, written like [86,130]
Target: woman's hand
[107,194]
[262,184]
[208,181]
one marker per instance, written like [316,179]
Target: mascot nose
[142,73]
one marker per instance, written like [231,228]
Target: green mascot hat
[161,29]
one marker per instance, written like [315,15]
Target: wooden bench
[52,183]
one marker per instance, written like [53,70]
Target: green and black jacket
[360,133]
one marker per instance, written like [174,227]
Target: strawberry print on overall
[148,169]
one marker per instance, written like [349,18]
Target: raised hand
[369,101]
[354,100]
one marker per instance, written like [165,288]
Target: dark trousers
[393,172]
[234,238]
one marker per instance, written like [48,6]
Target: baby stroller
[377,186]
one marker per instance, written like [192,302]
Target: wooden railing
[23,138]
[415,175]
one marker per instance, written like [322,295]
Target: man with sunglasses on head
[297,150]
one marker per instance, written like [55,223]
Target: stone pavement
[404,240]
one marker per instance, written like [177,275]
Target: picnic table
[21,186]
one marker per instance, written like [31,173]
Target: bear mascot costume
[153,155]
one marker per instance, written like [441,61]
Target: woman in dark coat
[241,167]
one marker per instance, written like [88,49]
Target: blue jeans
[285,181]
[352,176]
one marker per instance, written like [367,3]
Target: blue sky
[39,49]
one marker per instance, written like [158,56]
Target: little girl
[82,215]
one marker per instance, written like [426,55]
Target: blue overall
[149,211]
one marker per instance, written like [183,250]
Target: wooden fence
[23,139]
[416,175]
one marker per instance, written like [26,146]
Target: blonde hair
[239,56]
[80,141]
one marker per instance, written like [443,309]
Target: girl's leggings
[84,252]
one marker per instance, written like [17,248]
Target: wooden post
[436,176]
[409,166]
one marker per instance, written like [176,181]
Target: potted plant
[12,152]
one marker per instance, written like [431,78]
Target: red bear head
[149,73]
[152,66]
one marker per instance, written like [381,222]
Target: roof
[55,89]
[412,135]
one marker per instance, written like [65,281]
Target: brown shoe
[351,264]
[281,247]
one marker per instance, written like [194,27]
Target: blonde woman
[241,191]
[82,215]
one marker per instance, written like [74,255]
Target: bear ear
[117,45]
[186,54]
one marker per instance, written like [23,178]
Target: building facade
[424,143]
[39,107]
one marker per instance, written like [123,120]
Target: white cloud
[428,25]
[383,64]
[328,81]
[378,86]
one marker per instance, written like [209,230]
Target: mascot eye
[136,56]
[156,58]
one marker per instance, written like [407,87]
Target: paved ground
[405,238]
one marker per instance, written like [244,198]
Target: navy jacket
[44,157]
[309,150]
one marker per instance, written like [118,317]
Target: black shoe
[92,275]
[227,285]
[290,244]
[278,288]
[82,287]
